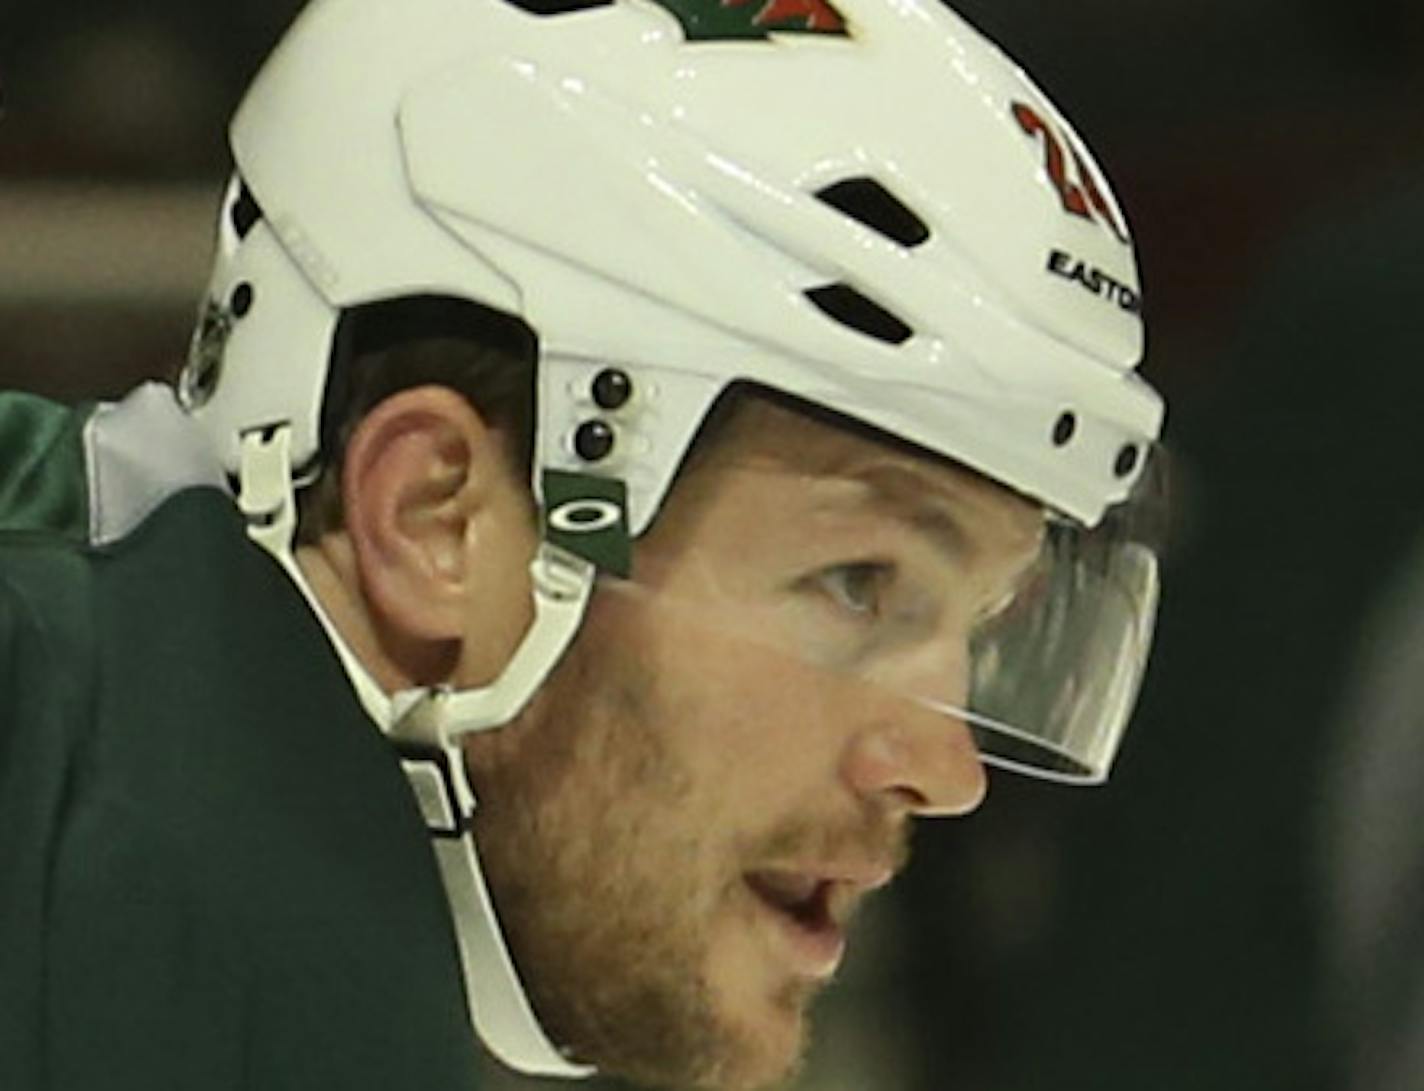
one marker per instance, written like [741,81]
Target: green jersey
[212,872]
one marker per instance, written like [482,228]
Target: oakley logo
[1082,197]
[588,515]
[585,516]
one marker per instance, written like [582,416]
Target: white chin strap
[425,726]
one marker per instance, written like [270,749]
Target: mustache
[869,840]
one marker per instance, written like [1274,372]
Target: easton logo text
[1092,279]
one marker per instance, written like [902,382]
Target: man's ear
[434,515]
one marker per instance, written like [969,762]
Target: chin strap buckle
[438,783]
[435,767]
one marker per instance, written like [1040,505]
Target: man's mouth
[802,906]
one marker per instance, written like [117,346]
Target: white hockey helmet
[860,204]
[863,205]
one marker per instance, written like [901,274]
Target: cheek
[742,718]
[719,743]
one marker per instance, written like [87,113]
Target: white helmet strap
[425,726]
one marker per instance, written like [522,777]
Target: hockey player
[647,453]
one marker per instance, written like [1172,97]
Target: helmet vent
[557,7]
[868,202]
[245,212]
[848,307]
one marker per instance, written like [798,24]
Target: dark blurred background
[1199,923]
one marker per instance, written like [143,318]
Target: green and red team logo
[705,20]
[1081,197]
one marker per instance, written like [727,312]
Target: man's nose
[912,750]
[915,760]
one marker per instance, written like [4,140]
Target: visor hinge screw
[593,441]
[612,389]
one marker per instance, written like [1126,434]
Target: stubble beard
[588,832]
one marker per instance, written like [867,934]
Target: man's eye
[858,587]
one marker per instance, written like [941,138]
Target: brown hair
[487,356]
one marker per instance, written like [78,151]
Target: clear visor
[927,593]
[1055,675]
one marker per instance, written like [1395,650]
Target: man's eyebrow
[938,526]
[934,521]
[947,514]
